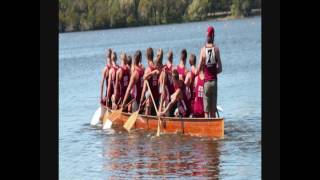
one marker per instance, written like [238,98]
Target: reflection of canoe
[204,127]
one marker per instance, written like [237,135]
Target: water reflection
[140,155]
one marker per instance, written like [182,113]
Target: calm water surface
[89,153]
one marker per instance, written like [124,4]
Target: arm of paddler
[131,83]
[201,61]
[174,99]
[117,84]
[187,81]
[109,86]
[102,84]
[143,91]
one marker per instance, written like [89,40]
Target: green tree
[115,14]
[97,14]
[145,11]
[197,10]
[127,8]
[175,10]
[102,14]
[240,8]
[91,17]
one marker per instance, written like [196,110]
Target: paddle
[131,120]
[219,109]
[155,107]
[106,123]
[109,118]
[95,118]
[134,116]
[158,129]
[107,115]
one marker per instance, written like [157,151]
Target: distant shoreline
[218,16]
[226,15]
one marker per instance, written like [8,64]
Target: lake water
[90,153]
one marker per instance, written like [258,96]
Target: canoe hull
[203,127]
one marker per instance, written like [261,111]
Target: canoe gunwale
[177,118]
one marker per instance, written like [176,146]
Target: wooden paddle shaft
[155,106]
[129,103]
[119,101]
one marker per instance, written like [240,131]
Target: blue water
[90,153]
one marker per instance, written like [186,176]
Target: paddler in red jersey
[152,74]
[178,99]
[166,81]
[197,107]
[211,62]
[181,68]
[105,75]
[189,80]
[135,86]
[167,73]
[122,79]
[111,81]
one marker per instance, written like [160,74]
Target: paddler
[122,78]
[111,103]
[135,86]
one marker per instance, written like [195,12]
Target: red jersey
[154,84]
[169,80]
[113,80]
[197,109]
[184,104]
[191,86]
[181,71]
[124,82]
[137,88]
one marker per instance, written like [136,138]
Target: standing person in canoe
[105,75]
[211,62]
[181,68]
[178,99]
[122,78]
[111,81]
[151,75]
[135,86]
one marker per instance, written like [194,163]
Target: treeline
[79,15]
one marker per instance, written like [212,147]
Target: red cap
[210,31]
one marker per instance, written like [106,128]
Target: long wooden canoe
[203,127]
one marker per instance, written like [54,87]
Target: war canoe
[203,127]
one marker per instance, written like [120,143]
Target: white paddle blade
[220,108]
[107,124]
[95,118]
